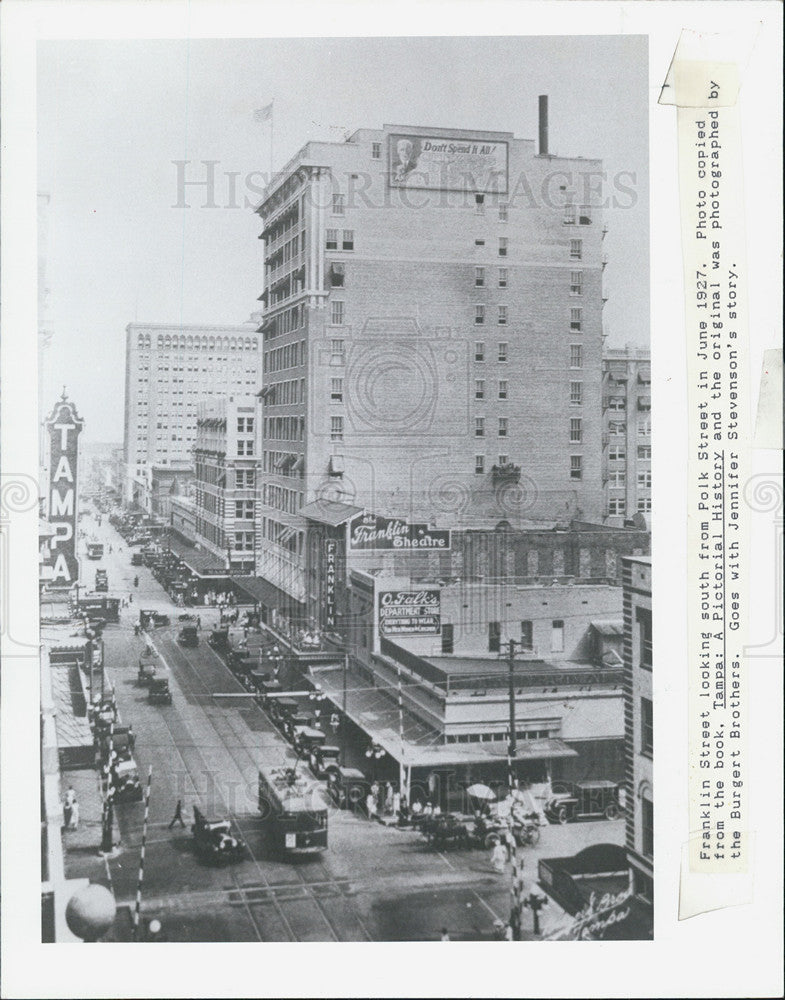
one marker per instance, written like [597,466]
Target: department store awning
[331,512]
[377,714]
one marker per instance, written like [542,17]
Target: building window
[336,351]
[576,282]
[576,356]
[576,393]
[337,276]
[336,428]
[576,467]
[616,453]
[584,215]
[479,277]
[569,215]
[503,246]
[479,388]
[644,427]
[245,448]
[617,403]
[479,243]
[617,505]
[339,204]
[644,505]
[243,510]
[647,828]
[503,388]
[479,204]
[502,277]
[557,636]
[617,427]
[479,465]
[348,239]
[336,313]
[644,479]
[336,390]
[503,423]
[576,430]
[576,249]
[479,351]
[502,315]
[503,351]
[618,477]
[448,637]
[376,151]
[527,636]
[331,239]
[504,459]
[479,314]
[245,425]
[643,622]
[494,637]
[479,427]
[576,319]
[644,451]
[503,208]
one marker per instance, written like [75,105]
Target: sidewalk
[80,846]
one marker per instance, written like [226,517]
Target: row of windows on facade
[290,250]
[285,322]
[283,463]
[501,736]
[288,356]
[618,505]
[617,453]
[618,477]
[284,428]
[283,535]
[620,403]
[167,342]
[619,427]
[283,499]
[495,636]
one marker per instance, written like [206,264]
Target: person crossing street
[178,815]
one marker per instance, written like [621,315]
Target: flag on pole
[264,114]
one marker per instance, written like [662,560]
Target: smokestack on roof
[543,100]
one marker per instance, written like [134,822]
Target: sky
[115,117]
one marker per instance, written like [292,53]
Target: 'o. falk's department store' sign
[372,533]
[64,426]
[410,612]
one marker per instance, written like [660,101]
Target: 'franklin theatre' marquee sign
[64,426]
[410,612]
[448,163]
[371,533]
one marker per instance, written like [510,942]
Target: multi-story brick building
[432,335]
[226,461]
[168,369]
[626,432]
[638,722]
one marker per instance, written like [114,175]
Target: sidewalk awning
[331,512]
[377,714]
[261,591]
[197,560]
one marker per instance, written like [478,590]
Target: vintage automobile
[149,664]
[323,758]
[158,690]
[219,639]
[585,800]
[282,709]
[136,559]
[153,619]
[347,787]
[188,635]
[126,783]
[101,581]
[305,738]
[214,838]
[123,742]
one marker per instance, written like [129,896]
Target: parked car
[136,559]
[158,690]
[219,638]
[347,786]
[585,800]
[125,779]
[323,758]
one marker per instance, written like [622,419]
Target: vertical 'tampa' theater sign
[64,426]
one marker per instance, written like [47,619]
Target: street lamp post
[516,889]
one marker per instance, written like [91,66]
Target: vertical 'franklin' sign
[64,426]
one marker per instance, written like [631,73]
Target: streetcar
[294,808]
[95,550]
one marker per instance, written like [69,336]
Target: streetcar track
[224,717]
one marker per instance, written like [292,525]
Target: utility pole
[513,747]
[516,889]
[343,720]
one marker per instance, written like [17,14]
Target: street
[373,883]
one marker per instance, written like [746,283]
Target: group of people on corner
[385,800]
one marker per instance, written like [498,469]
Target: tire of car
[562,815]
[612,811]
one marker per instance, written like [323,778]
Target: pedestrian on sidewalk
[198,623]
[178,815]
[73,822]
[370,805]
